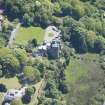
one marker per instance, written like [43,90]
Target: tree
[3,88]
[93,1]
[34,41]
[26,99]
[32,74]
[84,0]
[57,21]
[89,9]
[1,71]
[5,26]
[79,11]
[54,1]
[26,18]
[99,44]
[90,39]
[63,88]
[31,44]
[89,23]
[66,54]
[30,90]
[41,68]
[2,41]
[21,55]
[51,91]
[57,9]
[78,39]
[15,11]
[10,64]
[94,24]
[66,9]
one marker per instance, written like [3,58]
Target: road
[13,35]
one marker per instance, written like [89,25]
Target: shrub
[26,98]
[3,88]
[30,90]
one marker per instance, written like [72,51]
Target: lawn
[28,33]
[10,82]
[1,98]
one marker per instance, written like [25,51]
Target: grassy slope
[26,34]
[83,77]
[10,82]
[74,71]
[79,66]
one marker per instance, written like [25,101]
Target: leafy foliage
[31,73]
[10,64]
[82,24]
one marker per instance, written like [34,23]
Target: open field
[10,82]
[74,71]
[81,65]
[25,34]
[84,77]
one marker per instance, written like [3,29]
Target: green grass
[74,71]
[1,98]
[83,77]
[89,57]
[10,82]
[81,66]
[26,34]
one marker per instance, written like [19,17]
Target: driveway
[51,33]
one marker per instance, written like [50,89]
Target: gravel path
[13,35]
